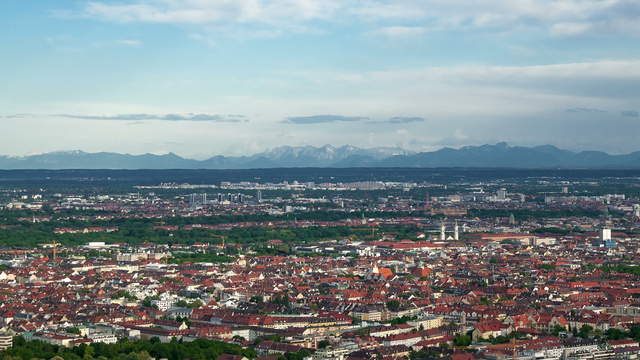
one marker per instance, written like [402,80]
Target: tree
[393,305]
[124,349]
[557,329]
[147,301]
[585,331]
[547,267]
[300,355]
[73,330]
[634,332]
[190,305]
[89,351]
[402,320]
[462,340]
[615,334]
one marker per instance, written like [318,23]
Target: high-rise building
[443,229]
[196,200]
[605,234]
[501,194]
[259,196]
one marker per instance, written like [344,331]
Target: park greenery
[206,349]
[200,349]
[622,269]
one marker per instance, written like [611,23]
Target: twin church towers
[443,232]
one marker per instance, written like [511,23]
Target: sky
[234,77]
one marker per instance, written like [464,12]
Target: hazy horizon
[204,156]
[400,151]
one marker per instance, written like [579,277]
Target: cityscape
[493,265]
[319,180]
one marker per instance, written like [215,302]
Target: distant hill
[499,155]
[101,160]
[502,155]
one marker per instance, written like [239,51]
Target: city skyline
[200,78]
[319,179]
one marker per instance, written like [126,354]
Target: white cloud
[207,39]
[389,10]
[570,29]
[560,18]
[568,17]
[212,11]
[400,31]
[464,105]
[475,91]
[129,42]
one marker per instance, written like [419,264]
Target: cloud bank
[160,117]
[405,120]
[558,18]
[585,110]
[321,119]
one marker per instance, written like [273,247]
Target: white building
[605,234]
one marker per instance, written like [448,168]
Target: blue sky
[203,77]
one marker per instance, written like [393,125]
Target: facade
[6,340]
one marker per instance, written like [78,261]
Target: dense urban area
[331,264]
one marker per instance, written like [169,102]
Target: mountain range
[500,155]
